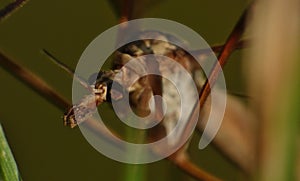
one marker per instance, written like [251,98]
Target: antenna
[67,69]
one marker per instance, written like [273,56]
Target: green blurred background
[46,150]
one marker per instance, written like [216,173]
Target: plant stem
[135,171]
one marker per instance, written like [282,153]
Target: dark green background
[46,150]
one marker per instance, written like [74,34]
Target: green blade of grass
[8,166]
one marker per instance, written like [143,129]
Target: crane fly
[144,88]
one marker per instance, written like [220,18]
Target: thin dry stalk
[10,8]
[230,131]
[33,81]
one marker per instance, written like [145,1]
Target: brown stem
[239,45]
[181,160]
[227,49]
[33,81]
[10,8]
[126,13]
[218,48]
[231,44]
